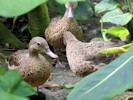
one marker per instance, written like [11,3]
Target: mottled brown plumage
[80,55]
[55,29]
[30,63]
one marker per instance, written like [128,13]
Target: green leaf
[83,11]
[5,96]
[116,50]
[12,8]
[11,84]
[2,71]
[118,31]
[65,1]
[68,86]
[10,80]
[107,82]
[106,6]
[24,89]
[117,17]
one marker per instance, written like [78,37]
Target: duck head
[39,45]
[68,36]
[70,7]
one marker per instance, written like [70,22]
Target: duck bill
[70,12]
[51,54]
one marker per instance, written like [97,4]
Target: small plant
[12,87]
[114,15]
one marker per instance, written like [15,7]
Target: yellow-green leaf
[116,50]
[117,31]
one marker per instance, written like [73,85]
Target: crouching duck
[80,55]
[30,63]
[58,25]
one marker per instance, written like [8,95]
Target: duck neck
[71,38]
[69,13]
[33,53]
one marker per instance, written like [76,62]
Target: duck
[57,25]
[31,63]
[81,55]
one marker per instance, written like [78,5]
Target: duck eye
[38,44]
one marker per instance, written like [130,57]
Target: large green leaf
[118,31]
[24,89]
[6,96]
[12,87]
[107,82]
[65,1]
[84,10]
[10,80]
[106,5]
[117,17]
[11,8]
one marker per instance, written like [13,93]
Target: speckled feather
[35,69]
[80,55]
[58,25]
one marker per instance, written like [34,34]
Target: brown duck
[30,63]
[55,29]
[80,55]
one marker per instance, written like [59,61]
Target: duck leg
[56,57]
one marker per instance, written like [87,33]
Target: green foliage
[68,86]
[7,37]
[107,82]
[117,31]
[12,87]
[12,8]
[117,17]
[2,71]
[38,20]
[106,6]
[116,50]
[114,15]
[84,10]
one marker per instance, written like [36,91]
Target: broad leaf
[24,89]
[10,81]
[117,17]
[12,8]
[65,1]
[107,82]
[83,11]
[106,5]
[5,96]
[11,84]
[117,31]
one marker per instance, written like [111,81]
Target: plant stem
[129,5]
[38,20]
[7,37]
[103,32]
